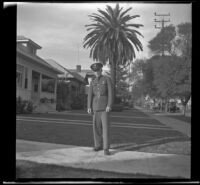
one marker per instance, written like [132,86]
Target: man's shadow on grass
[136,146]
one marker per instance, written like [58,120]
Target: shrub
[77,103]
[117,108]
[52,100]
[60,106]
[23,106]
[20,105]
[29,107]
[44,100]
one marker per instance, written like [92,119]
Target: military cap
[96,66]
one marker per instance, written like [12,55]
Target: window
[48,84]
[19,79]
[26,78]
[19,75]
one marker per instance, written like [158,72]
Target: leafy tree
[172,73]
[162,42]
[157,79]
[122,86]
[137,90]
[185,39]
[184,46]
[137,70]
[165,73]
[63,94]
[183,84]
[113,38]
[142,76]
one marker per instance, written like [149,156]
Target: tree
[122,86]
[157,79]
[184,41]
[142,78]
[112,38]
[165,73]
[63,94]
[184,46]
[183,83]
[162,42]
[172,73]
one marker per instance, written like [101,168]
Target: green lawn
[181,118]
[121,138]
[70,135]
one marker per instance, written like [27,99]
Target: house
[87,74]
[36,80]
[73,85]
[73,82]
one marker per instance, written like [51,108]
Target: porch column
[29,79]
[40,85]
[55,89]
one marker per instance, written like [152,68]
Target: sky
[59,28]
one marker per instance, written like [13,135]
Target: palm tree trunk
[184,110]
[113,79]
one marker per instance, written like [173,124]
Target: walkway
[164,165]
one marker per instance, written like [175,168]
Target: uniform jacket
[100,94]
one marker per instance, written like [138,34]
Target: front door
[35,91]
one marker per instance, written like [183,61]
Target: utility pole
[78,53]
[162,21]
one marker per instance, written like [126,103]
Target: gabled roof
[38,60]
[77,76]
[22,39]
[57,66]
[83,72]
[66,73]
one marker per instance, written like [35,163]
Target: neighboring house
[36,80]
[87,74]
[75,80]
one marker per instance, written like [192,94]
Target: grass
[70,134]
[181,118]
[28,169]
[180,148]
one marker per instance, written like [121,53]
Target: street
[130,129]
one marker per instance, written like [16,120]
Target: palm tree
[112,38]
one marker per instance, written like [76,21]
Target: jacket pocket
[103,89]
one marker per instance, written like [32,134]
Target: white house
[36,80]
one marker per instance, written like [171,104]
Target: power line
[162,21]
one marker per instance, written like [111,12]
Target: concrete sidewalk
[166,165]
[178,125]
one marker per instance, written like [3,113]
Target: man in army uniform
[99,103]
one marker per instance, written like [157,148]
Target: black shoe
[96,149]
[106,152]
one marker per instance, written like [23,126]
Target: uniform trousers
[101,129]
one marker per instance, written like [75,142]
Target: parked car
[173,107]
